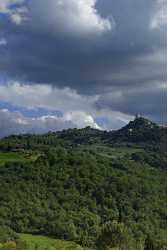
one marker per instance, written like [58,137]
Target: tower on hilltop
[138,115]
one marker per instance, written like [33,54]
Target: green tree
[113,235]
[150,244]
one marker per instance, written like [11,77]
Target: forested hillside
[104,190]
[140,132]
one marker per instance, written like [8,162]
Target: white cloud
[16,123]
[74,16]
[45,96]
[17,14]
[81,119]
[78,110]
[16,18]
[3,42]
[159,18]
[5,5]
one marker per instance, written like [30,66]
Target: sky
[78,63]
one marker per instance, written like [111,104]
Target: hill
[141,131]
[68,185]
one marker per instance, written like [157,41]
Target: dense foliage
[70,194]
[74,191]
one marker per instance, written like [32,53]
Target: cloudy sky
[77,63]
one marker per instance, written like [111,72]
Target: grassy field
[16,157]
[45,243]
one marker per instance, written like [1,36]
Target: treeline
[140,132]
[65,138]
[112,235]
[72,194]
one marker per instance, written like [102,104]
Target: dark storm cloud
[41,56]
[150,100]
[92,58]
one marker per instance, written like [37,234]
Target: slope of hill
[82,179]
[141,130]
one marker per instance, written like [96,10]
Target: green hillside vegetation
[43,243]
[84,189]
[35,242]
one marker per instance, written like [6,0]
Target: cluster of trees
[112,236]
[156,160]
[116,236]
[65,138]
[70,194]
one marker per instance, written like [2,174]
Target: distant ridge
[140,131]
